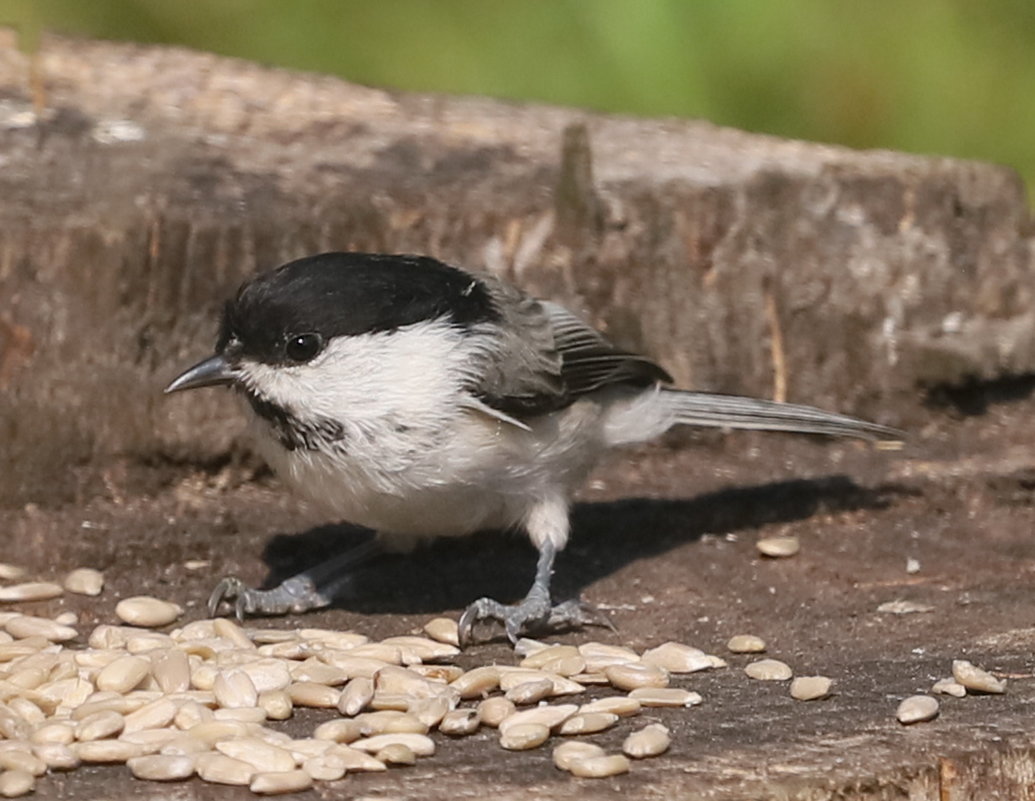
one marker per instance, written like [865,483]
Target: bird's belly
[416,502]
[478,473]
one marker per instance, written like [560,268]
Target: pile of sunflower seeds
[203,699]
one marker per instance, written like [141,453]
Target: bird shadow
[606,536]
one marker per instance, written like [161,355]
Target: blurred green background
[952,77]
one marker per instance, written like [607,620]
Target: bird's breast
[470,473]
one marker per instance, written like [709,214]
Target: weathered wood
[157,178]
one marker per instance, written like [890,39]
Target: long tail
[732,411]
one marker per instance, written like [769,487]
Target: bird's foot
[533,615]
[295,595]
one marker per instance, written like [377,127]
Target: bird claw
[531,615]
[295,595]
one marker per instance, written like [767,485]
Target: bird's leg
[536,611]
[313,588]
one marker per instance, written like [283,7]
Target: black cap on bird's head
[287,316]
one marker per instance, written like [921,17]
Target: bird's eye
[303,347]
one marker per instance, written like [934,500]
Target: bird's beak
[212,372]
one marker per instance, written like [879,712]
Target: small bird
[421,400]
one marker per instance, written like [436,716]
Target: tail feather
[732,411]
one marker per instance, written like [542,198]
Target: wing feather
[543,358]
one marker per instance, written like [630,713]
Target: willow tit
[421,400]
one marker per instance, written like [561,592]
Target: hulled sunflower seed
[12,725]
[428,650]
[778,547]
[665,696]
[387,721]
[551,653]
[15,783]
[359,760]
[524,736]
[23,626]
[420,744]
[430,711]
[123,674]
[154,715]
[567,752]
[26,678]
[85,581]
[291,781]
[356,695]
[314,671]
[57,756]
[587,723]
[22,706]
[104,751]
[147,612]
[276,704]
[151,740]
[810,688]
[191,713]
[260,755]
[587,679]
[477,682]
[221,769]
[234,689]
[339,731]
[332,638]
[17,759]
[215,731]
[161,768]
[392,679]
[633,676]
[768,670]
[228,630]
[30,591]
[184,745]
[246,714]
[599,767]
[396,754]
[443,629]
[621,705]
[511,677]
[267,674]
[550,716]
[307,693]
[650,741]
[675,657]
[493,711]
[306,747]
[530,692]
[60,731]
[327,767]
[99,726]
[171,670]
[746,644]
[460,722]
[949,687]
[974,678]
[438,673]
[917,709]
[397,702]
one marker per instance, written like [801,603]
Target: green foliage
[953,77]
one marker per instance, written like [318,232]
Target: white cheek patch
[411,374]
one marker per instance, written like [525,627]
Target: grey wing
[543,358]
[589,361]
